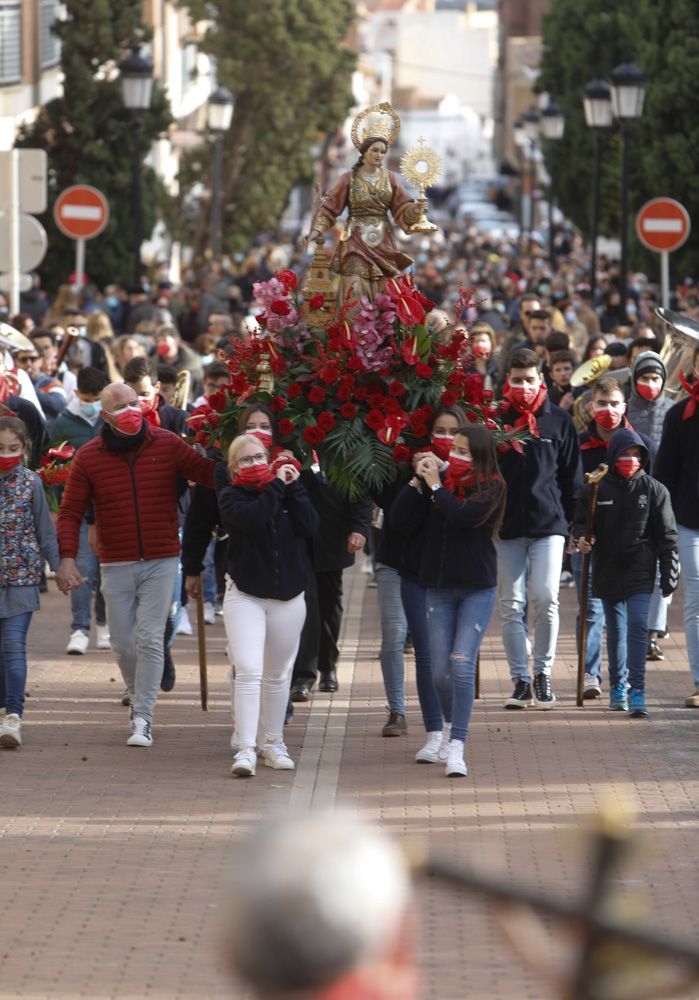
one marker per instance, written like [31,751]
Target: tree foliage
[587,40]
[89,136]
[285,62]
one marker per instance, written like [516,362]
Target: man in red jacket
[129,474]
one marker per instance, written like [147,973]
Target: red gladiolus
[239,384]
[396,389]
[348,410]
[293,391]
[217,401]
[326,421]
[314,435]
[280,308]
[400,453]
[288,279]
[316,395]
[374,419]
[316,301]
[285,427]
[423,371]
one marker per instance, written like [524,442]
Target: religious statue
[366,254]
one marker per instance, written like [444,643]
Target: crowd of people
[464,538]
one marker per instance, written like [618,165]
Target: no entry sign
[81,212]
[663,225]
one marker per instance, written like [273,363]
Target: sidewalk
[112,858]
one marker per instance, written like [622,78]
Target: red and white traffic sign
[81,212]
[663,225]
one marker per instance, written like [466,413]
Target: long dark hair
[366,143]
[258,408]
[452,411]
[488,481]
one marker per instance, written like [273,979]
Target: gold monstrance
[421,167]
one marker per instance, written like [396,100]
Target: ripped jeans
[457,620]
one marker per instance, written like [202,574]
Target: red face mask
[441,445]
[163,349]
[627,466]
[481,350]
[648,391]
[608,419]
[148,405]
[459,466]
[523,395]
[8,462]
[264,436]
[254,475]
[128,422]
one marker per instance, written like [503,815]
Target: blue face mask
[111,301]
[91,409]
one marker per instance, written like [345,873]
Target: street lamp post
[521,143]
[628,90]
[136,88]
[530,125]
[552,128]
[219,117]
[597,104]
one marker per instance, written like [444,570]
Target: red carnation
[448,398]
[391,405]
[344,392]
[400,453]
[288,279]
[314,435]
[285,427]
[217,401]
[374,419]
[348,410]
[471,417]
[316,395]
[326,421]
[316,301]
[396,389]
[360,393]
[423,371]
[280,307]
[354,364]
[239,384]
[419,430]
[329,375]
[487,395]
[293,391]
[376,400]
[277,404]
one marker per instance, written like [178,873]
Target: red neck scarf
[693,390]
[459,485]
[150,412]
[596,442]
[254,475]
[6,388]
[527,411]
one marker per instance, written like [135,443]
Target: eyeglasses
[259,458]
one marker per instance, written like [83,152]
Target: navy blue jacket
[267,554]
[542,484]
[455,553]
[677,464]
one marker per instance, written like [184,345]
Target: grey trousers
[138,596]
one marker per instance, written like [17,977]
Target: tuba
[677,352]
[181,395]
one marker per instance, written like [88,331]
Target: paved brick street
[113,858]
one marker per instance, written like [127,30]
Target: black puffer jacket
[633,527]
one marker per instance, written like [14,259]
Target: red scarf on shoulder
[693,390]
[527,418]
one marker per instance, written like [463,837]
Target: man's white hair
[311,899]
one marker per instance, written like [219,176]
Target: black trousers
[318,648]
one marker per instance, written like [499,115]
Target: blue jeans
[457,620]
[657,613]
[594,619]
[544,557]
[627,639]
[13,661]
[688,543]
[209,575]
[394,629]
[415,606]
[81,598]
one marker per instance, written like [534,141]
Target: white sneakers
[209,614]
[78,643]
[435,749]
[276,755]
[591,687]
[103,637]
[456,768]
[245,763]
[184,626]
[10,731]
[140,733]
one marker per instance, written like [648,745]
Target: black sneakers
[521,696]
[544,697]
[395,726]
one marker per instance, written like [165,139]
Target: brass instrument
[182,389]
[678,349]
[587,374]
[13,340]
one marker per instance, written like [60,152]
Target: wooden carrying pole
[594,479]
[201,636]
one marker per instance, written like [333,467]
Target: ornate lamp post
[597,104]
[628,90]
[552,128]
[136,88]
[219,117]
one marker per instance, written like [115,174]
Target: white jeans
[263,639]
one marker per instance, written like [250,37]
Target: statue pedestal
[319,282]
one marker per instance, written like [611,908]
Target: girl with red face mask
[27,540]
[269,517]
